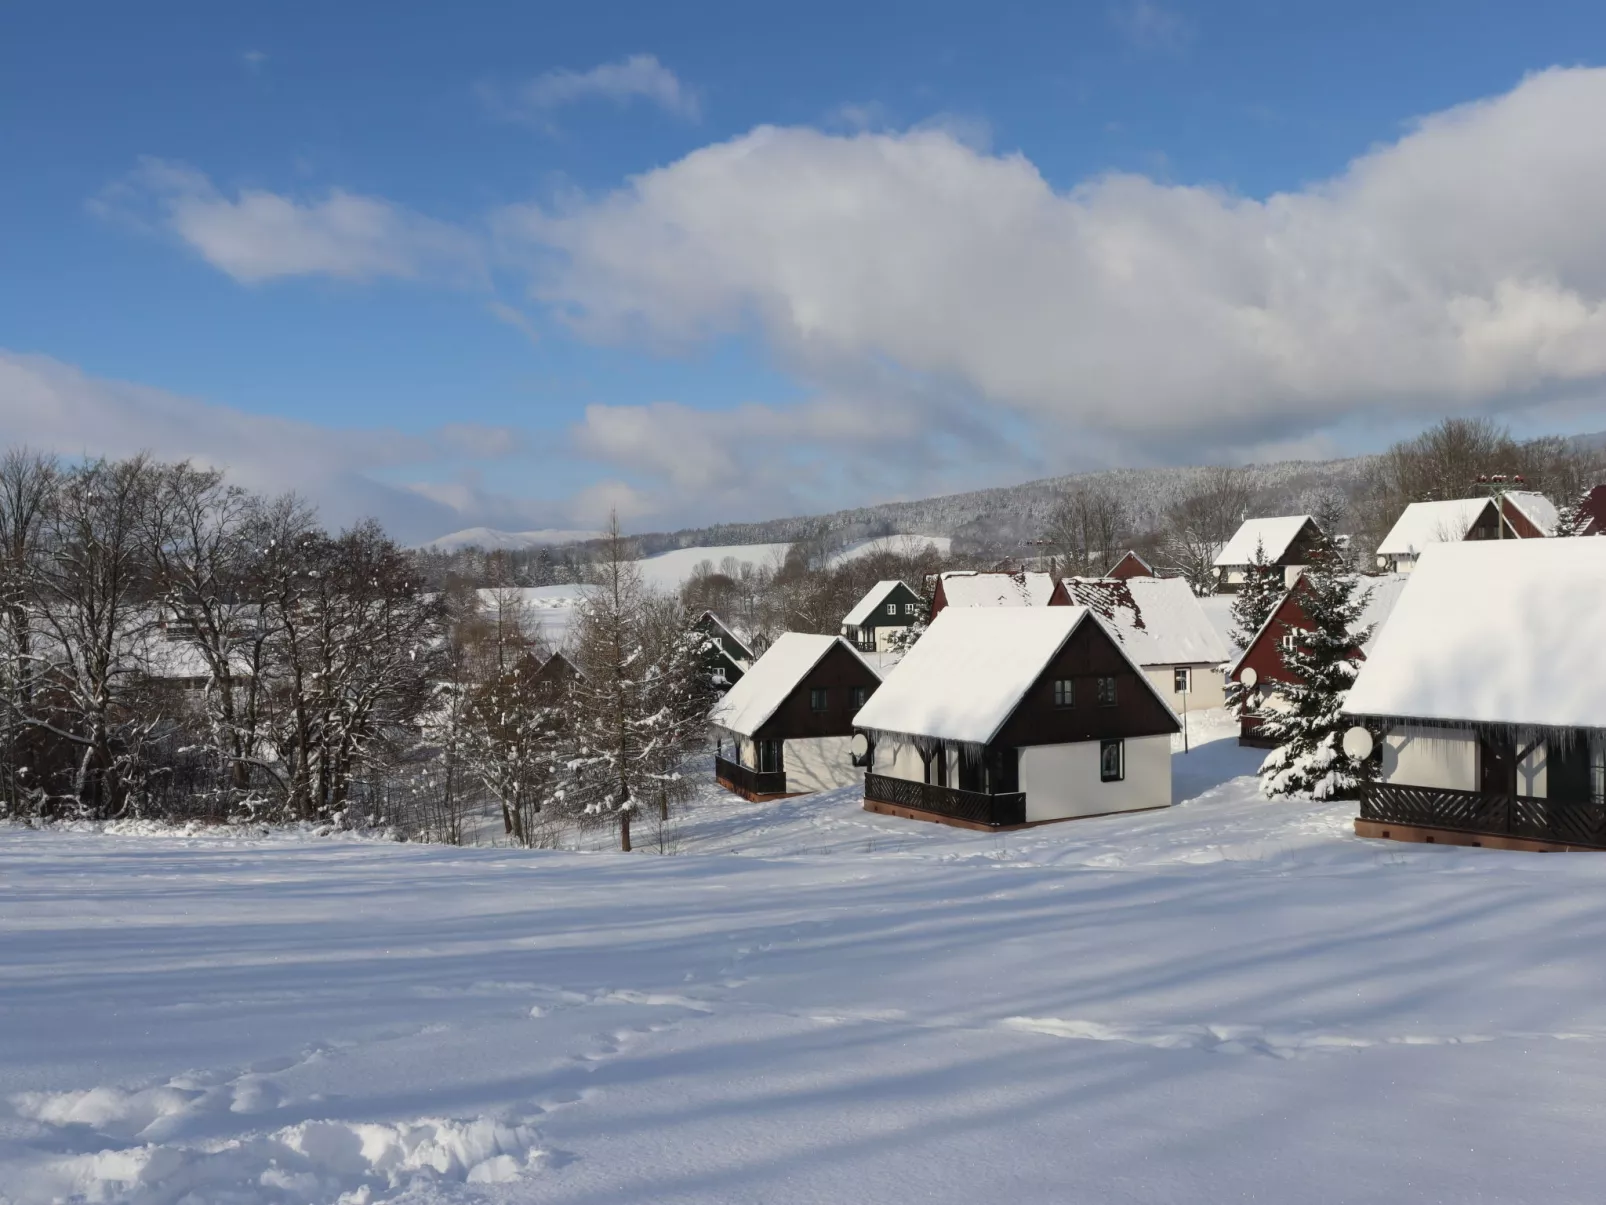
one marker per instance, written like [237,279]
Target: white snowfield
[1230,1000]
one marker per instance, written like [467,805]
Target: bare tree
[28,482]
[1088,528]
[1202,521]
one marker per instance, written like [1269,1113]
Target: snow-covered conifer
[1322,659]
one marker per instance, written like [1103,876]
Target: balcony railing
[746,781]
[1562,821]
[977,807]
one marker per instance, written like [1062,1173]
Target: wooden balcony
[971,808]
[747,782]
[1515,818]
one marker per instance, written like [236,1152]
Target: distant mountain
[492,540]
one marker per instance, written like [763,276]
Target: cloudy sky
[505,264]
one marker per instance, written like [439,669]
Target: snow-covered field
[1231,1000]
[669,570]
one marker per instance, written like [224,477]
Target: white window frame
[1182,680]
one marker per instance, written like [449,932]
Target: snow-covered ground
[1229,1000]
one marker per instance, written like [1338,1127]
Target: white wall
[884,635]
[899,759]
[1062,781]
[1421,756]
[1531,772]
[738,749]
[820,763]
[1209,686]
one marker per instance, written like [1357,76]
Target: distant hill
[492,540]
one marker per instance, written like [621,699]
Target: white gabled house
[1164,629]
[1486,694]
[1519,515]
[787,727]
[1287,542]
[888,609]
[998,718]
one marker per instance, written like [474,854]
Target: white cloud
[258,235]
[55,407]
[638,77]
[1150,26]
[1461,267]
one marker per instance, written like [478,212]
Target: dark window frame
[1109,695]
[1117,746]
[1064,693]
[819,699]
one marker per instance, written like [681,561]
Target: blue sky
[514,264]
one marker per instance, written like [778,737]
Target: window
[1106,692]
[860,695]
[1064,692]
[892,608]
[908,608]
[1112,761]
[1182,681]
[719,676]
[819,698]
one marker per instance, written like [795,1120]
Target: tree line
[173,646]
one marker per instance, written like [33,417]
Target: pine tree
[1251,607]
[1572,519]
[1309,758]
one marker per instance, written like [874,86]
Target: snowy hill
[1229,1000]
[492,540]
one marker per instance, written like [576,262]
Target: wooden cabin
[556,673]
[1486,697]
[997,720]
[977,588]
[727,658]
[1286,542]
[1164,629]
[787,727]
[1516,516]
[1592,512]
[1260,667]
[1129,566]
[888,609]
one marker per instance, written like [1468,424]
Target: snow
[970,671]
[547,612]
[492,540]
[1494,631]
[1217,609]
[976,588]
[1272,535]
[747,705]
[1424,523]
[1229,1000]
[1158,619]
[668,571]
[870,603]
[1540,510]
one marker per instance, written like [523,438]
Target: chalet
[1518,515]
[1163,628]
[889,608]
[1001,720]
[1129,566]
[727,657]
[975,588]
[787,727]
[1260,667]
[1286,542]
[1487,695]
[556,673]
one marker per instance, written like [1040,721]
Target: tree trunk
[624,832]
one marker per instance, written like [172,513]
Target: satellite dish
[1248,676]
[861,744]
[1358,743]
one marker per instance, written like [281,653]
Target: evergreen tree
[1309,758]
[1251,607]
[1571,519]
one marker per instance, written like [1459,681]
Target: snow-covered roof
[1494,631]
[1540,510]
[969,672]
[867,606]
[975,588]
[1424,523]
[1158,619]
[752,701]
[1381,595]
[1272,535]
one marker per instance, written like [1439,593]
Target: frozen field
[1228,1001]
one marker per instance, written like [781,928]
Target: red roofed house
[1131,565]
[975,588]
